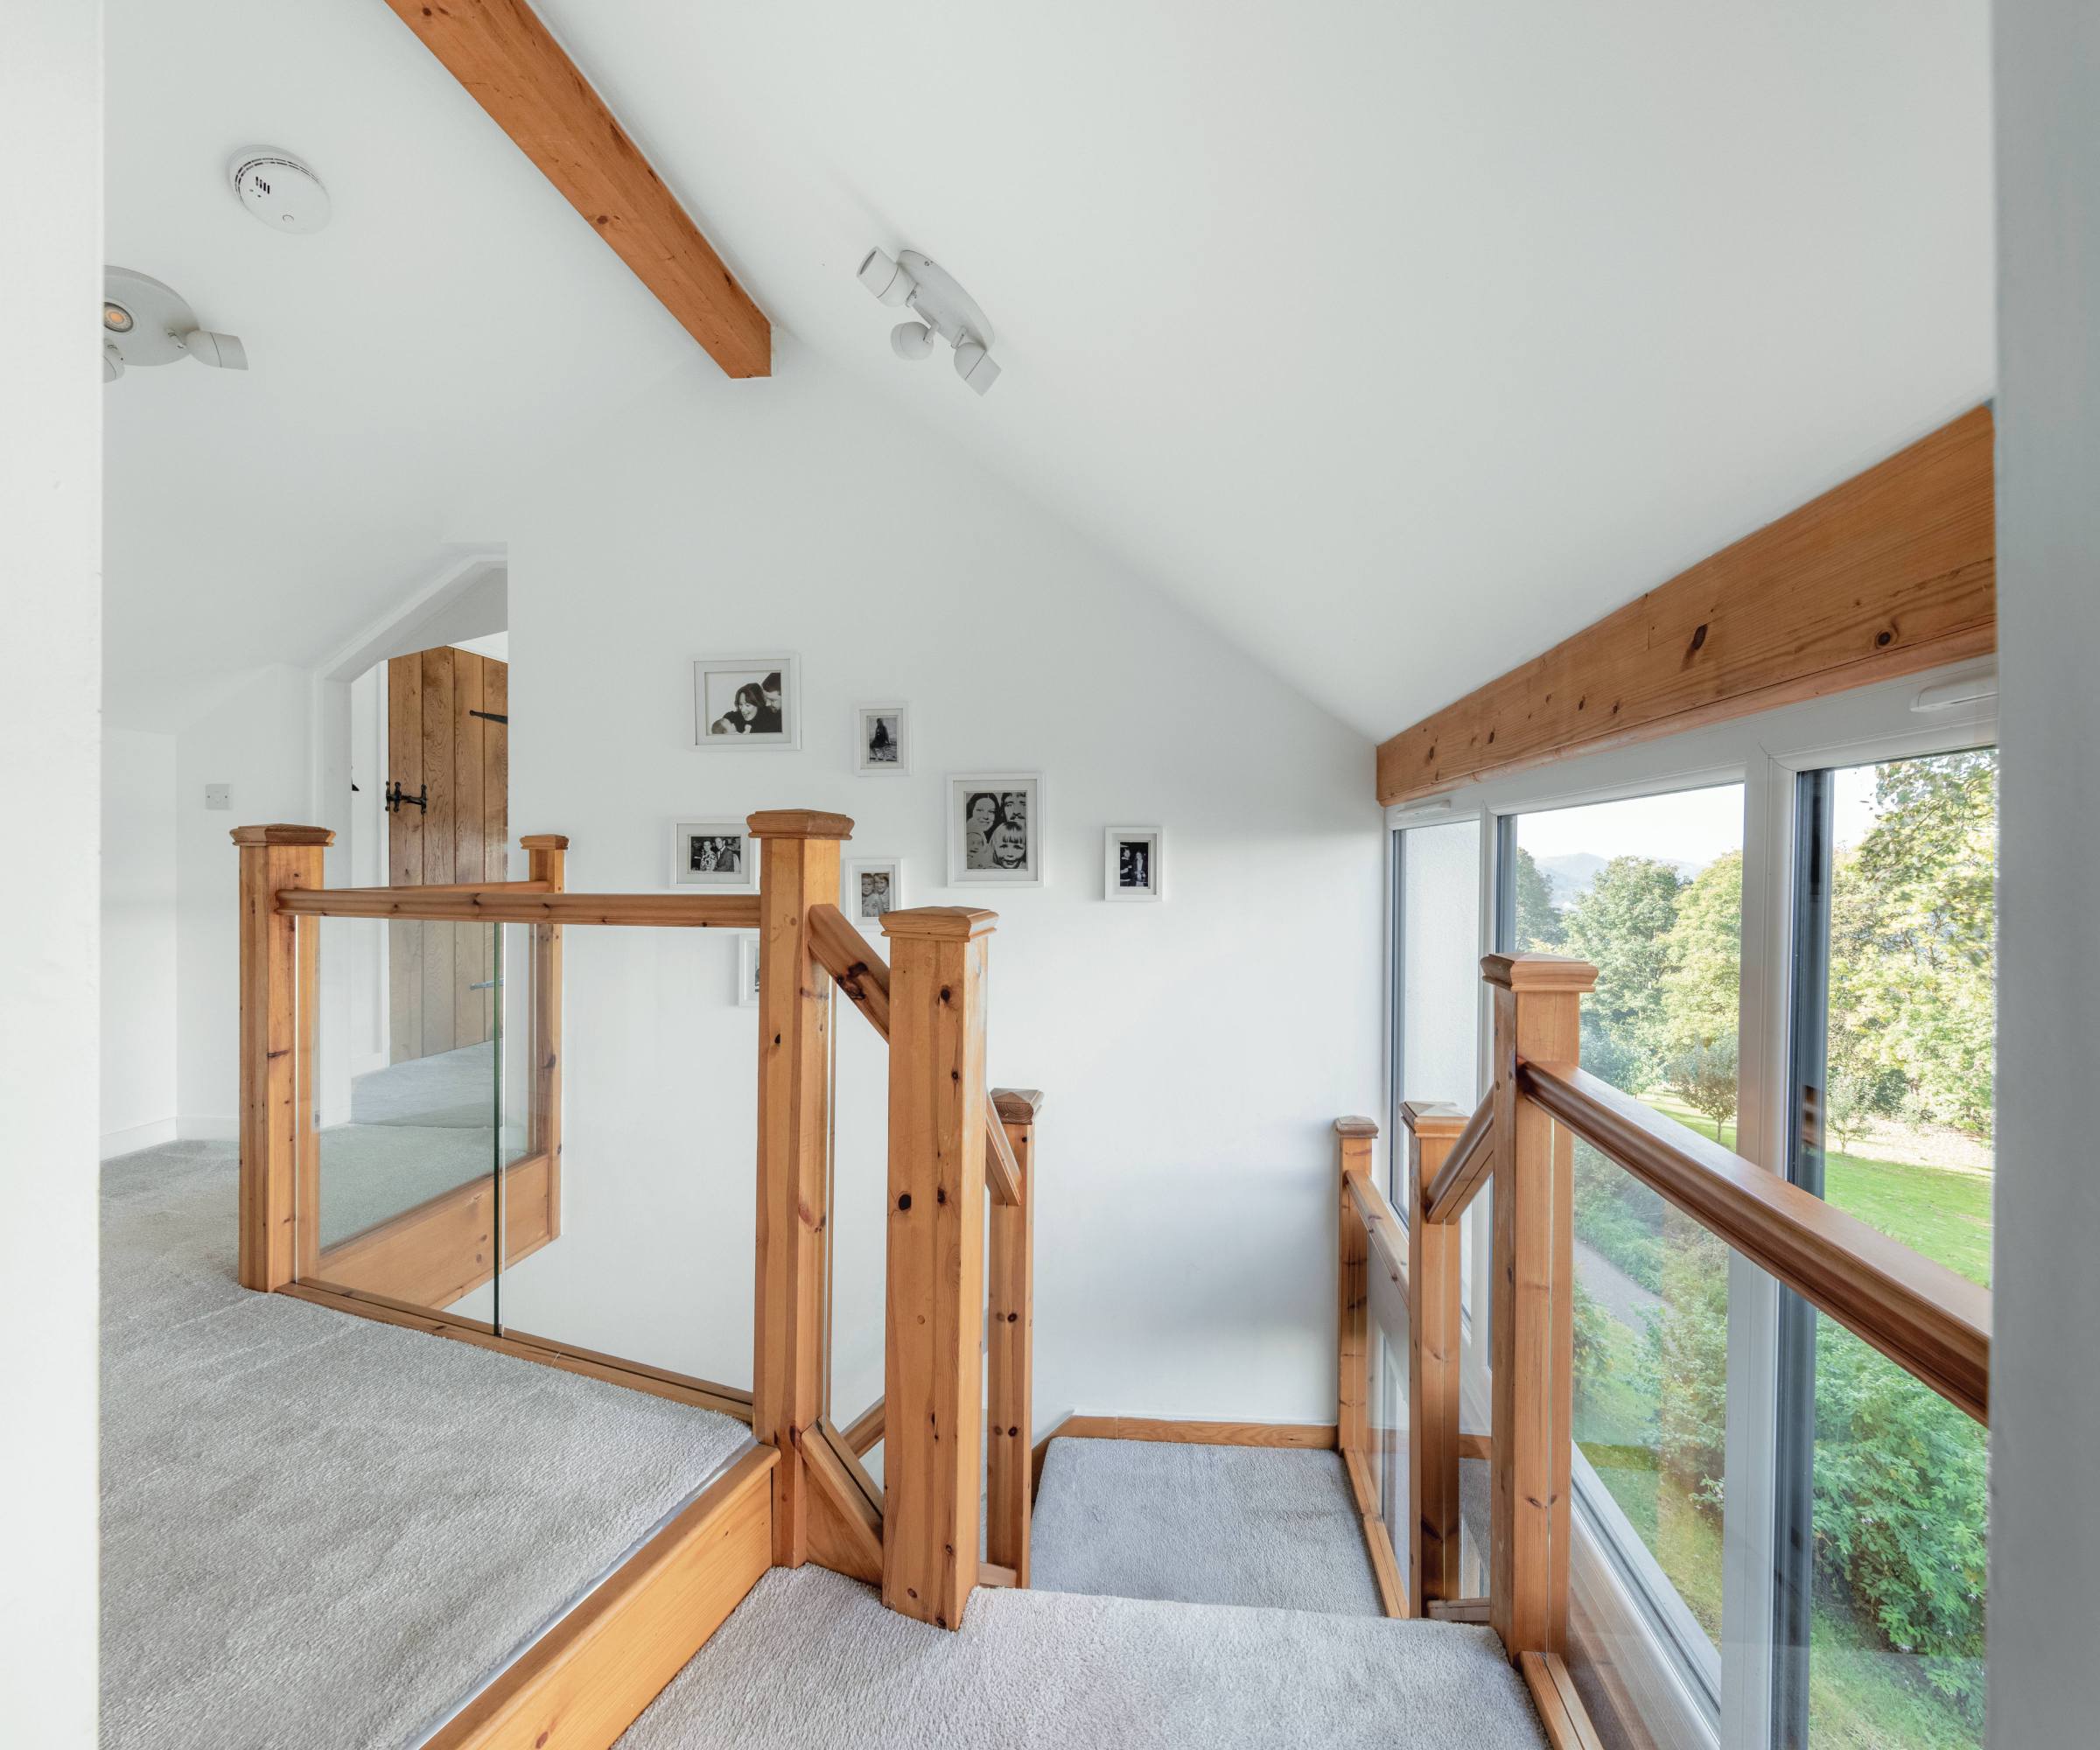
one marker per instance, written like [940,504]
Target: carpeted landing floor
[321,1531]
[812,1660]
[1248,1525]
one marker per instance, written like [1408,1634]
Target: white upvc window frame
[1766,753]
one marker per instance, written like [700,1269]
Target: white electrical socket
[218,795]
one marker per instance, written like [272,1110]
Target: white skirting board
[136,1136]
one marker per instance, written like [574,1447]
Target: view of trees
[1898,1490]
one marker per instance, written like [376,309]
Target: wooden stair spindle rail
[798,870]
[1433,1362]
[279,960]
[1537,1014]
[933,1377]
[1009,1369]
[1352,1388]
[547,855]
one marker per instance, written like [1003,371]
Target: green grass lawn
[1942,1212]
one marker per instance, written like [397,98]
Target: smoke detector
[278,190]
[147,323]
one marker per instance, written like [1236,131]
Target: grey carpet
[455,1087]
[372,1171]
[812,1660]
[1251,1525]
[319,1531]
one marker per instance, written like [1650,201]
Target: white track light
[911,340]
[221,352]
[113,363]
[976,366]
[942,307]
[886,279]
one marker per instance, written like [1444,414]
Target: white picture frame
[1133,864]
[698,848]
[855,894]
[733,690]
[978,852]
[882,740]
[748,969]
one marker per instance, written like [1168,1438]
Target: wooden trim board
[440,1251]
[1560,1709]
[1316,1435]
[508,63]
[582,1683]
[701,1394]
[1892,572]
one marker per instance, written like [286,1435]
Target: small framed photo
[747,970]
[873,885]
[881,739]
[1132,868]
[716,855]
[747,702]
[995,830]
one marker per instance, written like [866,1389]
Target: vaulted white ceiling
[1397,340]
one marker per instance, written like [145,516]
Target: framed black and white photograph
[1133,869]
[747,971]
[719,856]
[747,702]
[873,885]
[995,830]
[881,739]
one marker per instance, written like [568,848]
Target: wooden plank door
[447,745]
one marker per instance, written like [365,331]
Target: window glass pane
[1440,962]
[1650,891]
[1907,1102]
[1882,1576]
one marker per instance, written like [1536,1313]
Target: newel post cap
[1018,1105]
[799,823]
[245,836]
[1432,1117]
[1539,972]
[941,923]
[1356,1127]
[545,841]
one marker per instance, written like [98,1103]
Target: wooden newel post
[1353,1290]
[1009,1365]
[546,859]
[1537,1015]
[798,868]
[279,960]
[933,1372]
[1432,1361]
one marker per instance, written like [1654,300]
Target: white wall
[50,631]
[1194,1052]
[2045,1389]
[138,940]
[256,739]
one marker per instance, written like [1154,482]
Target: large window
[1649,891]
[1879,1603]
[1780,1533]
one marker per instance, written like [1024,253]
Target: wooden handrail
[524,902]
[1465,1169]
[1383,1225]
[860,971]
[1930,1321]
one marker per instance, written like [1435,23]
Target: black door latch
[398,799]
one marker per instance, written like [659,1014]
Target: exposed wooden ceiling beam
[1892,572]
[510,65]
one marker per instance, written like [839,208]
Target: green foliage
[1912,952]
[1703,1077]
[1621,925]
[1537,924]
[1900,1511]
[1704,954]
[1618,1217]
[1687,1360]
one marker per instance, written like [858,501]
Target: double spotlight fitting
[943,311]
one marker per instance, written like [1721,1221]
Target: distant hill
[1569,877]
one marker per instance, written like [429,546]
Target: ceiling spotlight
[944,309]
[147,323]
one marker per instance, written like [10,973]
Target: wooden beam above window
[1892,572]
[511,66]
